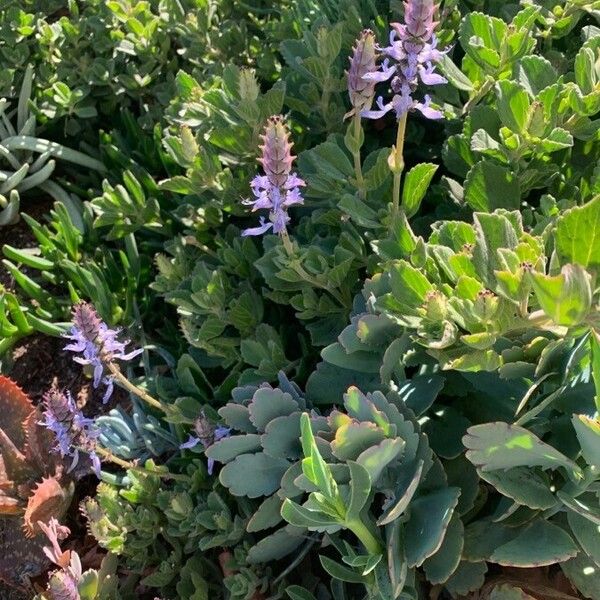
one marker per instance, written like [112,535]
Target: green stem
[397,166]
[109,456]
[486,86]
[360,181]
[366,537]
[134,389]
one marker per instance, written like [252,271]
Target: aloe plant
[34,484]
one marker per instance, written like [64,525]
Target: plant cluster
[356,249]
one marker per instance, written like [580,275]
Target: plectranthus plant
[278,189]
[409,61]
[98,347]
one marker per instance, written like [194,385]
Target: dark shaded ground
[19,235]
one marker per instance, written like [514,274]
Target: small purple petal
[191,443]
[264,227]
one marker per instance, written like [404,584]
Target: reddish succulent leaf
[15,408]
[9,505]
[49,499]
[14,464]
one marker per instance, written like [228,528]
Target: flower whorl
[413,50]
[278,188]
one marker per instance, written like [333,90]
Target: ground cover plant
[325,275]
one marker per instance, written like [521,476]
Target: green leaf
[445,561]
[266,473]
[535,73]
[453,74]
[300,516]
[376,458]
[227,449]
[468,577]
[525,486]
[578,235]
[588,434]
[404,497]
[584,574]
[595,343]
[566,298]
[557,139]
[338,571]
[267,404]
[267,515]
[587,534]
[415,185]
[274,547]
[489,186]
[513,105]
[499,445]
[360,489]
[541,543]
[426,527]
[296,592]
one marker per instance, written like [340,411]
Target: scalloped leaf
[426,527]
[499,445]
[377,458]
[253,475]
[267,404]
[228,448]
[525,486]
[468,577]
[267,515]
[439,567]
[541,543]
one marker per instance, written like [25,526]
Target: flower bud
[418,17]
[248,86]
[276,149]
[362,62]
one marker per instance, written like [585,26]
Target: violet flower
[98,345]
[362,62]
[206,434]
[278,188]
[74,432]
[410,59]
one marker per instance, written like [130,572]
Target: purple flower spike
[361,85]
[413,48]
[206,434]
[97,344]
[278,188]
[74,432]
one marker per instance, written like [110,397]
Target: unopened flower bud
[276,149]
[362,61]
[248,86]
